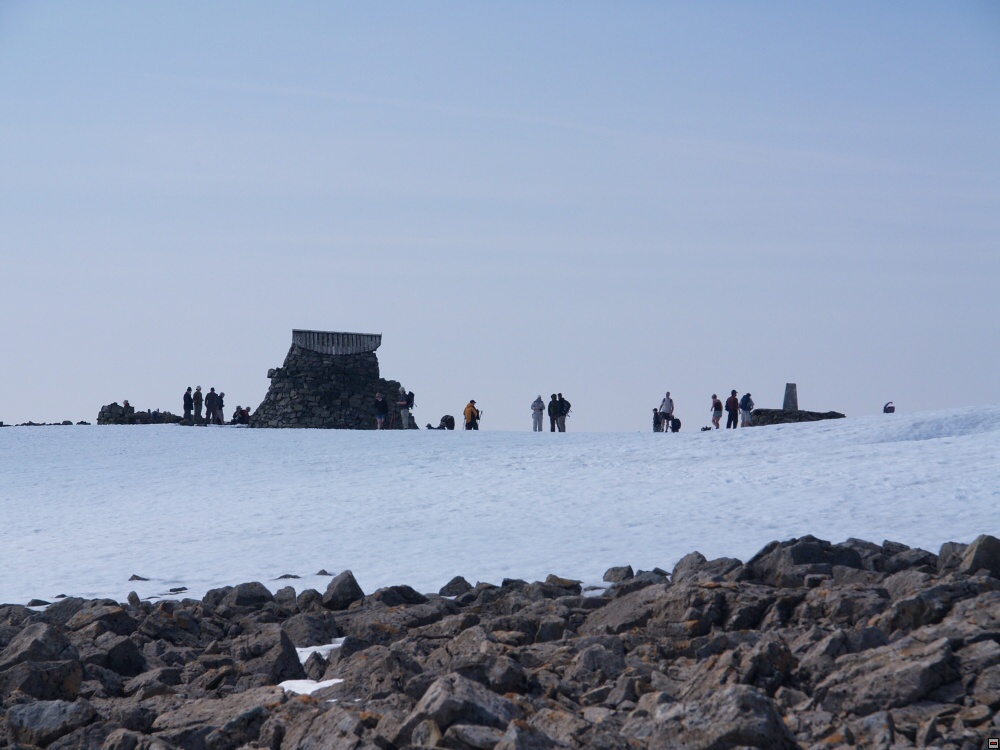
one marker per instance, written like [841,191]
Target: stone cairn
[328,380]
[806,645]
[790,413]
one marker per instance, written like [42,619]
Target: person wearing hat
[732,411]
[197,399]
[746,406]
[537,410]
[471,416]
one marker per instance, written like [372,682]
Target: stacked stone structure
[328,380]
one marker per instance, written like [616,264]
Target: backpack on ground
[409,400]
[675,424]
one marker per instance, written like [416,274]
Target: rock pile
[762,417]
[114,413]
[808,644]
[312,389]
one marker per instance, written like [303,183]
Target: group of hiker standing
[736,408]
[558,410]
[213,404]
[404,402]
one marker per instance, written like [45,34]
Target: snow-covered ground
[84,508]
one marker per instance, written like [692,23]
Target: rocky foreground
[809,644]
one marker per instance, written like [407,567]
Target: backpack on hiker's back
[409,400]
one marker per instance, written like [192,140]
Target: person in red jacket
[733,411]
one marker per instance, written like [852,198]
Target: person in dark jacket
[657,422]
[211,404]
[381,411]
[197,398]
[746,407]
[220,418]
[188,404]
[564,407]
[732,411]
[553,412]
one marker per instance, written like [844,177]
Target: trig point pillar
[791,397]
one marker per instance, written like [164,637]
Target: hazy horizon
[607,201]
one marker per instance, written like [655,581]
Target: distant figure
[657,422]
[537,412]
[553,411]
[241,415]
[447,423]
[716,410]
[732,411]
[746,406]
[888,408]
[128,412]
[564,407]
[198,398]
[188,404]
[404,409]
[220,418]
[472,415]
[381,411]
[211,404]
[666,411]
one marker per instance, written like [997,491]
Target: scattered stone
[809,644]
[135,577]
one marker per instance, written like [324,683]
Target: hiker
[666,412]
[188,404]
[553,411]
[716,410]
[220,418]
[241,415]
[537,410]
[471,416]
[657,422]
[211,405]
[732,411]
[197,398]
[746,406]
[447,423]
[404,409]
[564,407]
[381,411]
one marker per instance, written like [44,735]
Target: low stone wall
[762,417]
[332,391]
[115,413]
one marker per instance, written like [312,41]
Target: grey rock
[268,653]
[982,554]
[453,699]
[342,592]
[37,643]
[253,595]
[731,717]
[472,735]
[44,722]
[617,574]
[455,587]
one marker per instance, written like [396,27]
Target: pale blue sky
[610,200]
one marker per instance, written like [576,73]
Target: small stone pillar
[791,397]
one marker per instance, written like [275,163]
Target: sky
[606,200]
